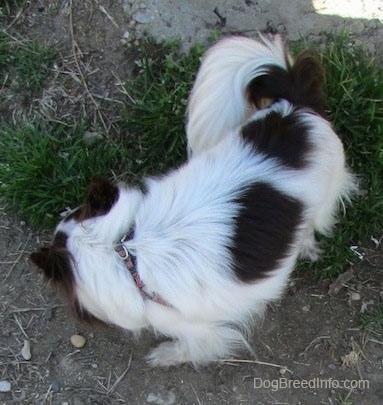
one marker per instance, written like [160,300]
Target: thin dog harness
[130,262]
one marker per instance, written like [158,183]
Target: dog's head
[83,247]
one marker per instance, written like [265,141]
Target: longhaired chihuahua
[198,253]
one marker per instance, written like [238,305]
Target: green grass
[7,6]
[372,321]
[44,168]
[355,100]
[25,65]
[344,399]
[155,110]
[153,121]
[4,61]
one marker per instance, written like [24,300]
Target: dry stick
[262,363]
[49,393]
[18,259]
[195,393]
[20,310]
[122,89]
[374,341]
[21,327]
[358,351]
[15,19]
[75,49]
[113,21]
[312,343]
[113,387]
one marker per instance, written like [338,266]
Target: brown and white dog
[201,251]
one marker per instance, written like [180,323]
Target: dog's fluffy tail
[238,76]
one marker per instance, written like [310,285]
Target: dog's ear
[40,258]
[56,267]
[54,262]
[308,81]
[100,197]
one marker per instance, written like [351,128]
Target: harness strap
[130,262]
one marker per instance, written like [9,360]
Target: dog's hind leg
[201,343]
[310,247]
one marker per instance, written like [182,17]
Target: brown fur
[56,262]
[100,197]
[302,84]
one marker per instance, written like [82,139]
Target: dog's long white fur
[184,223]
[182,234]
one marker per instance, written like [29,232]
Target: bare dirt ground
[310,347]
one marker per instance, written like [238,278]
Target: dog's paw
[168,354]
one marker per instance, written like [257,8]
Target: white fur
[184,223]
[218,101]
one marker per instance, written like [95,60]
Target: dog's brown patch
[283,138]
[55,263]
[101,195]
[265,230]
[301,84]
[57,267]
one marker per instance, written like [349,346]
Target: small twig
[342,279]
[102,386]
[112,100]
[21,327]
[48,357]
[20,42]
[312,343]
[195,393]
[374,341]
[121,88]
[261,363]
[72,353]
[18,258]
[20,310]
[16,18]
[49,393]
[222,19]
[113,21]
[75,49]
[113,387]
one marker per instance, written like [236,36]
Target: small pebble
[306,308]
[332,366]
[355,296]
[77,341]
[125,38]
[5,386]
[26,350]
